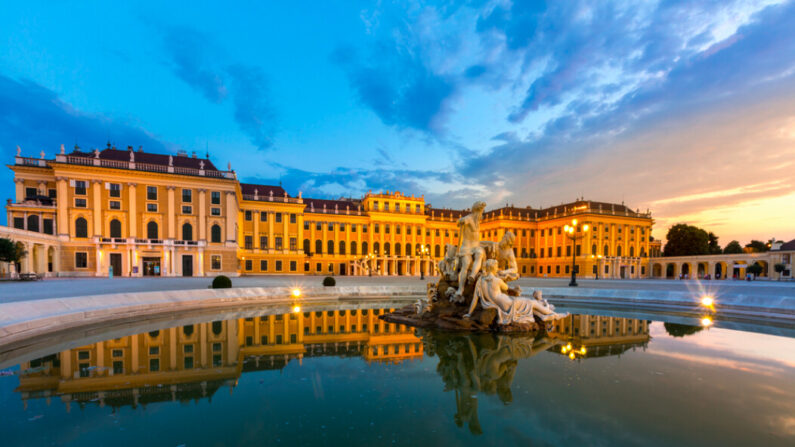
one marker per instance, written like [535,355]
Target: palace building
[135,213]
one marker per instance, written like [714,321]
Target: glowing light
[571,355]
[563,350]
[574,222]
[582,350]
[707,301]
[568,346]
[585,227]
[296,292]
[566,228]
[296,309]
[706,321]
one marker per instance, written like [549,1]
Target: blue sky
[687,108]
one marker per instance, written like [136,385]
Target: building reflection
[192,362]
[473,364]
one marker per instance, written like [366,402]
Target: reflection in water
[193,361]
[486,363]
[681,330]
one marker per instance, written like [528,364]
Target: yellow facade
[169,216]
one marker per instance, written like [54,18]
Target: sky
[683,108]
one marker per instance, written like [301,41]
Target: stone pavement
[77,287]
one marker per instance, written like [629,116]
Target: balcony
[129,165]
[270,198]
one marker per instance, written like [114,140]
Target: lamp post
[571,231]
[598,258]
[370,264]
[422,251]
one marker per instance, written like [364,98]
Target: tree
[11,251]
[733,248]
[714,248]
[757,247]
[754,269]
[686,240]
[779,268]
[681,330]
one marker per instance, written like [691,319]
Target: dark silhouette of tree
[755,269]
[757,246]
[732,248]
[11,251]
[681,330]
[779,268]
[686,240]
[714,248]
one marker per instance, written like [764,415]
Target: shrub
[222,282]
[328,281]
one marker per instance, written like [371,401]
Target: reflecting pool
[340,376]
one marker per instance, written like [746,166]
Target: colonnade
[394,266]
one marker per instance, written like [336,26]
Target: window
[307,246]
[81,260]
[33,223]
[278,217]
[215,197]
[114,190]
[278,242]
[187,232]
[154,365]
[115,205]
[306,225]
[342,247]
[364,248]
[81,227]
[80,203]
[293,244]
[48,226]
[115,228]
[19,222]
[51,193]
[293,218]
[331,226]
[317,226]
[278,266]
[364,228]
[215,262]
[31,193]
[293,266]
[249,265]
[318,246]
[151,207]
[263,242]
[215,233]
[330,245]
[353,228]
[375,205]
[353,248]
[248,215]
[187,195]
[263,216]
[558,251]
[377,228]
[151,193]
[188,362]
[80,188]
[151,230]
[187,209]
[386,206]
[263,266]
[248,242]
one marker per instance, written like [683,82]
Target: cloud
[194,60]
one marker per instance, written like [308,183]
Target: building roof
[316,205]
[262,190]
[788,246]
[179,160]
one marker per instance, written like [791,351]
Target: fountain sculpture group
[473,292]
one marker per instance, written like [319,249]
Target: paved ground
[69,287]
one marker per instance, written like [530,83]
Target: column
[171,214]
[134,354]
[301,232]
[231,217]
[96,187]
[172,348]
[285,232]
[132,200]
[203,344]
[62,201]
[19,185]
[98,259]
[202,214]
[100,355]
[256,217]
[271,217]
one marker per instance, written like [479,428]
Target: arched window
[631,252]
[376,247]
[397,249]
[151,230]
[33,223]
[187,232]
[353,247]
[437,251]
[81,227]
[218,327]
[593,250]
[215,233]
[307,246]
[618,251]
[408,250]
[115,228]
[318,246]
[364,248]
[330,245]
[342,247]
[642,252]
[607,251]
[387,248]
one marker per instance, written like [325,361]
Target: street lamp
[598,258]
[422,251]
[369,258]
[571,231]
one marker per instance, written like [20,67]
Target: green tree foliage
[221,282]
[328,281]
[11,251]
[755,269]
[686,240]
[757,246]
[733,248]
[779,268]
[714,248]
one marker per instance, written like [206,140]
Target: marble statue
[449,264]
[470,253]
[502,251]
[490,293]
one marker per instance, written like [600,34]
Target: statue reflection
[480,363]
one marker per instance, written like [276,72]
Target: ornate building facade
[134,213]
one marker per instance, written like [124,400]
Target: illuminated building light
[296,292]
[706,321]
[296,309]
[571,355]
[707,301]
